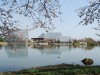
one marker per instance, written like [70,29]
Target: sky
[67,24]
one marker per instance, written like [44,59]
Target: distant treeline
[89,41]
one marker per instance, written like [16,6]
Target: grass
[63,69]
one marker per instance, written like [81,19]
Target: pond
[24,57]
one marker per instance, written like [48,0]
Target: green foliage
[90,41]
[1,39]
[76,43]
[58,70]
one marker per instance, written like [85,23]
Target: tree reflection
[89,47]
[16,50]
[0,47]
[85,47]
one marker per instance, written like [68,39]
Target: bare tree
[41,12]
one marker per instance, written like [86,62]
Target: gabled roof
[50,35]
[42,35]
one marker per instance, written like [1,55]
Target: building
[52,37]
[65,39]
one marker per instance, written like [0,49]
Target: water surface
[24,57]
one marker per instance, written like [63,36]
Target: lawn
[62,69]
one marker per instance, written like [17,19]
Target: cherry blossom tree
[90,14]
[41,12]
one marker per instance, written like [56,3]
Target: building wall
[49,40]
[65,39]
[42,40]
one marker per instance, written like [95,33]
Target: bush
[1,39]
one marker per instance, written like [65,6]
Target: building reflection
[51,49]
[57,49]
[16,50]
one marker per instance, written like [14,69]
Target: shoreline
[60,69]
[3,43]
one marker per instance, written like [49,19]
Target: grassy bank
[63,69]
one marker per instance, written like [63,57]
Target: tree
[90,13]
[90,41]
[1,39]
[41,12]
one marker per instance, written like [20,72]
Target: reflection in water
[89,47]
[57,48]
[21,50]
[51,49]
[16,50]
[0,47]
[43,55]
[84,47]
[47,49]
